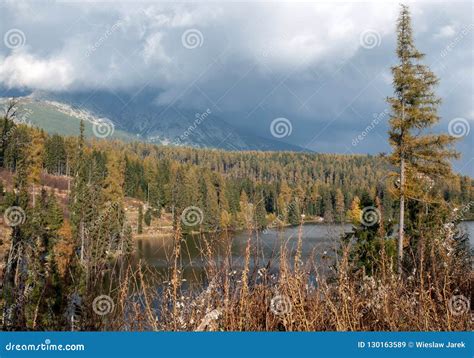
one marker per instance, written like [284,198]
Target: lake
[318,241]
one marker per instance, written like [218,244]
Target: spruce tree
[140,220]
[79,198]
[414,109]
[15,276]
[260,213]
[294,216]
[8,125]
[340,205]
[147,217]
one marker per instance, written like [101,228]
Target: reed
[251,298]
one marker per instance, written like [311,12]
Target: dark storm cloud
[323,66]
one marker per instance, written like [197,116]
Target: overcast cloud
[324,66]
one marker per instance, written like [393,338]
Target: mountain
[129,117]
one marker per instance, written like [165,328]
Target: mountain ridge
[142,120]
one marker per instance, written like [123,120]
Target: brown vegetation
[294,297]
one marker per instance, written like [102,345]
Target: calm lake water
[469,227]
[318,242]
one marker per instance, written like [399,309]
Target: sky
[315,74]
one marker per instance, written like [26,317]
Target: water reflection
[318,245]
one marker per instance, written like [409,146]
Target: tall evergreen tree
[260,212]
[414,108]
[340,205]
[294,216]
[16,270]
[7,126]
[140,220]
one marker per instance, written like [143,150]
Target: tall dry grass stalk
[236,298]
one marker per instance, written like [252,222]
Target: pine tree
[246,211]
[328,208]
[147,218]
[283,200]
[36,155]
[140,220]
[54,214]
[80,198]
[260,212]
[15,276]
[10,112]
[113,177]
[209,203]
[294,216]
[340,205]
[414,108]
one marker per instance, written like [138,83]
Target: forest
[66,238]
[225,185]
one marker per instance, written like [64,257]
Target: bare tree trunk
[81,226]
[401,229]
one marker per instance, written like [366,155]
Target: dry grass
[295,297]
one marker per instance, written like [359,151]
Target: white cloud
[149,38]
[153,51]
[447,31]
[298,41]
[248,48]
[25,71]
